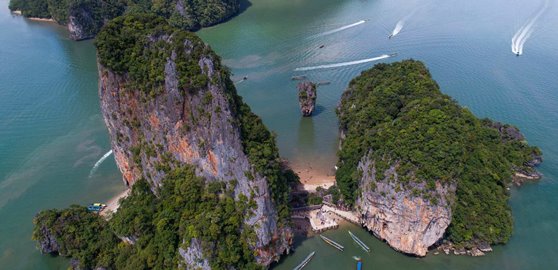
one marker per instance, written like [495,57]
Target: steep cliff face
[85,21]
[47,243]
[179,107]
[418,167]
[84,18]
[407,222]
[174,127]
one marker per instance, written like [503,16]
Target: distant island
[85,18]
[420,169]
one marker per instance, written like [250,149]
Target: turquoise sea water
[51,130]
[51,133]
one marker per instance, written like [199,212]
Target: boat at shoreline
[332,243]
[305,262]
[359,242]
[96,207]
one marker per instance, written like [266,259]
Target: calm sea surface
[52,133]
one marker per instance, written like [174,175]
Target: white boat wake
[341,28]
[400,24]
[397,28]
[98,163]
[344,64]
[523,34]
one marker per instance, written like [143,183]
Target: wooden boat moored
[305,262]
[332,243]
[359,242]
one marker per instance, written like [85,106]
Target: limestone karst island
[278,134]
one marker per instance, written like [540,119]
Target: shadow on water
[244,5]
[306,132]
[297,241]
[318,110]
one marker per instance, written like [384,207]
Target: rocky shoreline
[302,226]
[18,13]
[519,179]
[84,19]
[448,248]
[432,170]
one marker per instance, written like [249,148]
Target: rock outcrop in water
[522,173]
[307,95]
[189,114]
[419,168]
[208,186]
[84,18]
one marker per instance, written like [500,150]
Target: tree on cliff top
[125,47]
[398,114]
[187,15]
[186,207]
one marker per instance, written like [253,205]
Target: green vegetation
[197,13]
[126,38]
[259,145]
[314,199]
[80,234]
[397,114]
[306,88]
[91,15]
[31,8]
[186,208]
[321,194]
[147,35]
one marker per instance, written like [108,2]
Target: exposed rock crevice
[422,170]
[156,131]
[408,223]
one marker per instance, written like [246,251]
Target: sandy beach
[112,204]
[18,12]
[312,178]
[40,19]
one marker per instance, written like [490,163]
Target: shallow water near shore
[466,46]
[52,133]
